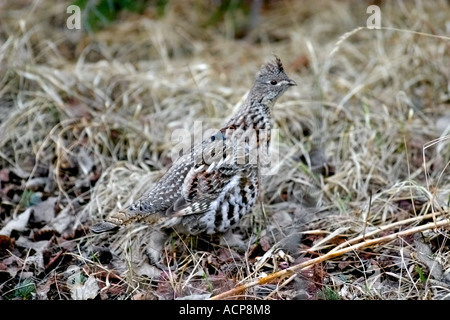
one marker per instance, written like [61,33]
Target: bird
[211,187]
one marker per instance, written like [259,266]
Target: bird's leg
[155,248]
[230,239]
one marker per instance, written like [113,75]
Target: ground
[88,120]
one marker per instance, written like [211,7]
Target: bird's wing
[201,187]
[217,172]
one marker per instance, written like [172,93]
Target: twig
[367,216]
[330,255]
[382,228]
[285,283]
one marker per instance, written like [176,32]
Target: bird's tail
[127,216]
[104,226]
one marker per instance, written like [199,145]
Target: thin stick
[285,283]
[330,255]
[367,216]
[382,228]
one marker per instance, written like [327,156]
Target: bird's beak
[292,82]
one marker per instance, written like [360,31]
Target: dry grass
[364,143]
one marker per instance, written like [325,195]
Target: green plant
[327,293]
[25,289]
[421,273]
[98,14]
[30,198]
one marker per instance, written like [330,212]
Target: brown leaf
[221,282]
[6,243]
[141,296]
[12,265]
[227,255]
[165,290]
[44,234]
[43,288]
[265,243]
[4,175]
[53,259]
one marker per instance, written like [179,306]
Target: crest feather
[273,66]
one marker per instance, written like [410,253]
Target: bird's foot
[154,249]
[230,239]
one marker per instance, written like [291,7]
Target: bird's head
[271,81]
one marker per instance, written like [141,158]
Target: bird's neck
[254,113]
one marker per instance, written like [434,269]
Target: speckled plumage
[212,187]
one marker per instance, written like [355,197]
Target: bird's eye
[273,82]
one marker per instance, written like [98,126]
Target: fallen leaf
[283,219]
[146,269]
[43,289]
[165,289]
[64,221]
[13,265]
[6,243]
[227,255]
[424,255]
[35,183]
[140,296]
[4,175]
[20,172]
[28,244]
[53,259]
[44,234]
[44,211]
[37,259]
[265,243]
[86,291]
[18,224]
